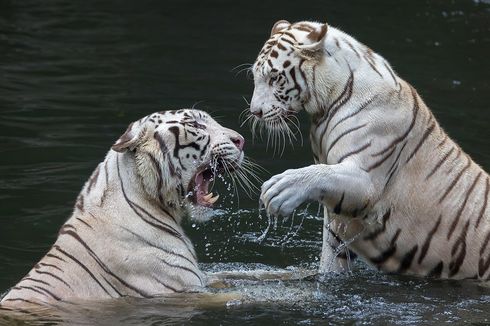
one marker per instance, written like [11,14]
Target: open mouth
[200,183]
[199,187]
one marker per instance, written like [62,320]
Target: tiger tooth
[208,196]
[213,200]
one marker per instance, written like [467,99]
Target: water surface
[73,74]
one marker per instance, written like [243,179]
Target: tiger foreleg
[343,188]
[329,259]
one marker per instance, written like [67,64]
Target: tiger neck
[348,70]
[115,181]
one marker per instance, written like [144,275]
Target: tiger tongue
[202,195]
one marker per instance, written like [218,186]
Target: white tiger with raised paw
[397,190]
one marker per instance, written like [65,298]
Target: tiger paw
[284,192]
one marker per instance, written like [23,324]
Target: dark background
[73,74]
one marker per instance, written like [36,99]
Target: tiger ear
[317,38]
[279,25]
[128,140]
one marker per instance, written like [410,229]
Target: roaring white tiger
[124,237]
[397,190]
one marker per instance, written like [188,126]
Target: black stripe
[443,141]
[54,276]
[161,142]
[167,286]
[51,294]
[396,141]
[36,281]
[336,237]
[485,202]
[460,245]
[376,233]
[79,219]
[178,146]
[392,173]
[352,48]
[483,263]
[51,265]
[39,290]
[428,240]
[290,35]
[342,255]
[407,260]
[23,300]
[54,256]
[287,41]
[112,286]
[438,165]
[391,73]
[161,225]
[451,168]
[84,267]
[343,134]
[436,271]
[158,168]
[358,210]
[103,266]
[79,203]
[302,61]
[338,208]
[106,187]
[340,101]
[6,309]
[205,147]
[354,152]
[292,73]
[380,161]
[159,248]
[21,287]
[389,252]
[422,140]
[93,178]
[460,211]
[362,107]
[183,268]
[455,180]
[371,62]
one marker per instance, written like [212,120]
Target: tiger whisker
[246,101]
[241,65]
[247,119]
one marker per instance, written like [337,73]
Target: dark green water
[73,74]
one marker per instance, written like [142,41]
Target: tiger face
[281,69]
[178,154]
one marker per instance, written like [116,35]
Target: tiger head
[282,70]
[178,154]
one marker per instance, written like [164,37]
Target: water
[73,74]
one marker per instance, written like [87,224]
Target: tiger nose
[238,141]
[256,110]
[258,113]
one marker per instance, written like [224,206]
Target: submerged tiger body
[124,237]
[397,190]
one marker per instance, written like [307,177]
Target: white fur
[123,215]
[375,145]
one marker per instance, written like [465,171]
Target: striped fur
[124,237]
[397,190]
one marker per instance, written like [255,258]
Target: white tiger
[124,237]
[396,189]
